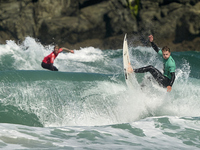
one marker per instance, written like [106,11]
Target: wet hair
[56,46]
[165,48]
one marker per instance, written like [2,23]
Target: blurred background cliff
[102,23]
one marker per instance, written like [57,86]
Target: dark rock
[188,27]
[102,23]
[173,22]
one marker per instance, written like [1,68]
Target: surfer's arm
[172,78]
[67,50]
[155,47]
[169,87]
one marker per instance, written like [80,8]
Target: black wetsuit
[158,76]
[49,66]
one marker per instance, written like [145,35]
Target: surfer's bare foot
[130,69]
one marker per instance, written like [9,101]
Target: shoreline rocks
[103,23]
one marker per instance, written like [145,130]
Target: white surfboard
[126,59]
[131,81]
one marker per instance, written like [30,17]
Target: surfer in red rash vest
[47,62]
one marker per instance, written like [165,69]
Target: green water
[87,104]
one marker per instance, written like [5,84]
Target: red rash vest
[51,57]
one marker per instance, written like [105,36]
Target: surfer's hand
[71,51]
[130,69]
[151,38]
[169,88]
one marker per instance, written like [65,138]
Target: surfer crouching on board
[167,78]
[47,62]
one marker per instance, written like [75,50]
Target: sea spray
[88,104]
[90,88]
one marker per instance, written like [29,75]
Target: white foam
[87,54]
[102,102]
[29,55]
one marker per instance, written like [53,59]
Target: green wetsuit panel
[169,65]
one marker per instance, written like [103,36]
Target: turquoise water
[88,105]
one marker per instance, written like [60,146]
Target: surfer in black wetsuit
[167,78]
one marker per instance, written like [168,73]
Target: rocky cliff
[102,23]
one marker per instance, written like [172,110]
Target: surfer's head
[166,52]
[165,48]
[56,49]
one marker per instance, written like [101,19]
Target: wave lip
[37,75]
[13,115]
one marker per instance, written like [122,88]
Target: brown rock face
[174,23]
[102,23]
